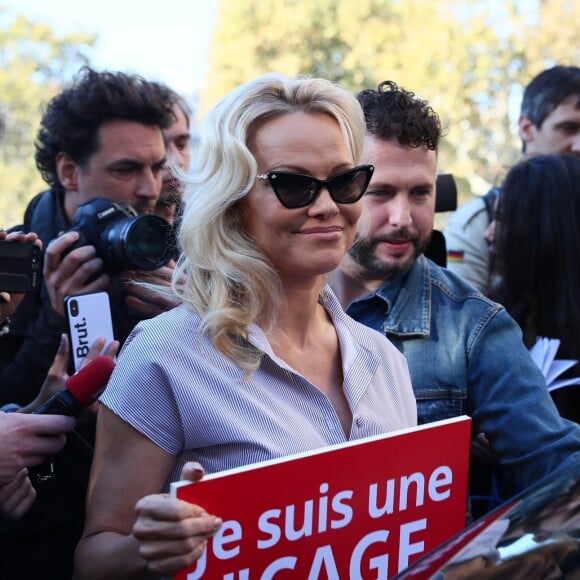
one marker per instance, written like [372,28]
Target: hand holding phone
[19,266]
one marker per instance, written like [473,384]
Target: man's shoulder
[36,206]
[471,211]
[431,299]
[456,288]
[476,210]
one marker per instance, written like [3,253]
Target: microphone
[82,389]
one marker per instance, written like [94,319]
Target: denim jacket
[466,356]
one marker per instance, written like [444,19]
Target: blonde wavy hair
[222,273]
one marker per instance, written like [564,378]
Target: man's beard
[363,252]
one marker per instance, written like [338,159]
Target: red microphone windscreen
[88,381]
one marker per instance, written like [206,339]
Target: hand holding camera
[122,238]
[106,238]
[77,271]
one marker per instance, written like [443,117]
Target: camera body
[124,240]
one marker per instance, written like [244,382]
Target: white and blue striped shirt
[178,390]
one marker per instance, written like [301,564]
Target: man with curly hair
[465,353]
[102,137]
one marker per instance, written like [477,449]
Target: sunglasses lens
[294,190]
[349,186]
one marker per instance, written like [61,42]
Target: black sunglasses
[295,190]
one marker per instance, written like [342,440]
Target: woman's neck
[299,313]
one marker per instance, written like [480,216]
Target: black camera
[123,239]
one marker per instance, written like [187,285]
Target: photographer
[102,138]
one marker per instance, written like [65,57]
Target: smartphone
[19,266]
[88,317]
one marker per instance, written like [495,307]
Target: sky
[165,41]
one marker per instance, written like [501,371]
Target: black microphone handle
[63,403]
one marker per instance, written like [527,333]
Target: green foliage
[468,58]
[35,64]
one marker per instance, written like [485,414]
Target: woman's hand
[172,533]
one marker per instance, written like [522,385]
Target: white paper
[544,355]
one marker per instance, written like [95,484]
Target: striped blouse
[174,387]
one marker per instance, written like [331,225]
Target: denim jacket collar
[409,308]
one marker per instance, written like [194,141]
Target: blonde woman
[259,361]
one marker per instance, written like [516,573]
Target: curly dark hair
[72,119]
[394,114]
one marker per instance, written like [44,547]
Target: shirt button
[330,423]
[359,421]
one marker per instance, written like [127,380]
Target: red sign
[365,509]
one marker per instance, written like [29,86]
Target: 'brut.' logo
[82,332]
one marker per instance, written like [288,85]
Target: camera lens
[142,243]
[74,308]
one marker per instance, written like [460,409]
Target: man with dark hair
[550,113]
[100,138]
[177,139]
[465,353]
[549,123]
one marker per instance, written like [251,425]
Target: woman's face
[309,241]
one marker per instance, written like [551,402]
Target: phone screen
[88,317]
